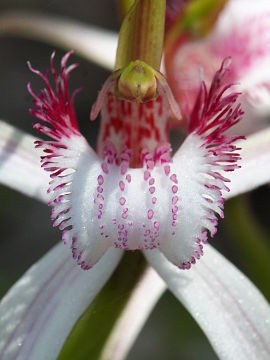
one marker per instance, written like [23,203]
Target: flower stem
[142,33]
[97,326]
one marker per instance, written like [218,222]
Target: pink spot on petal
[104,167]
[173,178]
[175,209]
[174,200]
[100,197]
[150,214]
[121,185]
[174,189]
[146,175]
[152,189]
[122,201]
[100,180]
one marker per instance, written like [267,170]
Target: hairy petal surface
[39,311]
[94,44]
[20,163]
[203,164]
[228,307]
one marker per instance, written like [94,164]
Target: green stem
[92,330]
[142,33]
[124,7]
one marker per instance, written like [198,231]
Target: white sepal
[38,312]
[94,44]
[228,307]
[20,163]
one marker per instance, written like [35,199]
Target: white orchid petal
[134,316]
[39,311]
[20,163]
[238,10]
[243,32]
[92,43]
[227,306]
[255,170]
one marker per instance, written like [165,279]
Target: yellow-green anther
[137,82]
[142,33]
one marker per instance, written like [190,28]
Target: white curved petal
[228,307]
[255,170]
[243,32]
[39,311]
[134,316]
[237,10]
[92,43]
[20,164]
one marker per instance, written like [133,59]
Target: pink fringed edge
[214,113]
[55,108]
[57,120]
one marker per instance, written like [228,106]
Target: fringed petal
[95,202]
[201,163]
[70,161]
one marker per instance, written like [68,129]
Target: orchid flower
[95,196]
[241,31]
